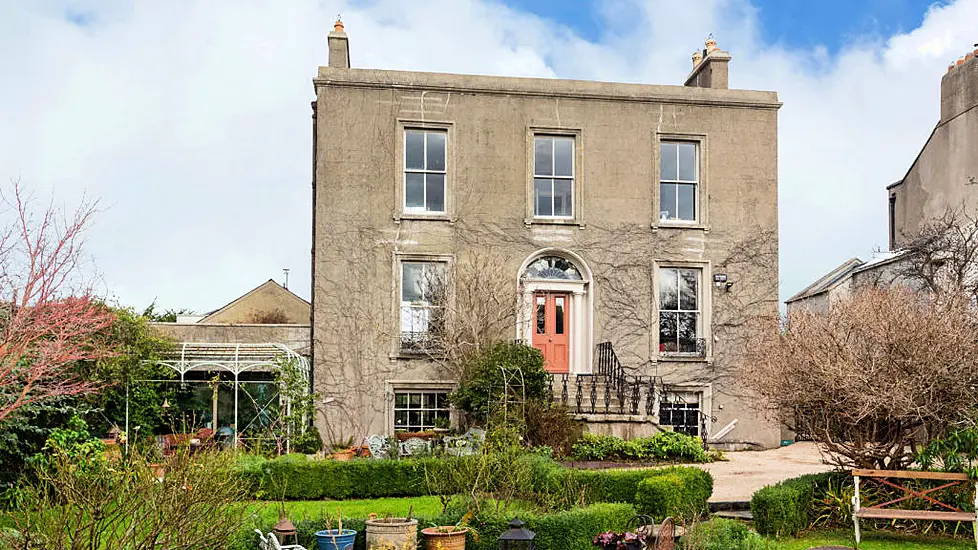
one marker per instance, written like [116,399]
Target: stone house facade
[616,227]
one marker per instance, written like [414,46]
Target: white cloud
[191,119]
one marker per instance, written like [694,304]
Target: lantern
[517,537]
[285,528]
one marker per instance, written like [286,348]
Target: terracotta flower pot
[445,538]
[343,455]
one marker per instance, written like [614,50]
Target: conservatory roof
[234,358]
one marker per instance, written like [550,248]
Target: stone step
[741,515]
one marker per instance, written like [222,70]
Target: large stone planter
[392,532]
[444,538]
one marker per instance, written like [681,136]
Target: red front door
[551,327]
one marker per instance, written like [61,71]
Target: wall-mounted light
[720,280]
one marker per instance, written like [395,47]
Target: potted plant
[610,540]
[442,425]
[447,537]
[335,539]
[392,532]
[342,451]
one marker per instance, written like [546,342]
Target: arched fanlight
[553,267]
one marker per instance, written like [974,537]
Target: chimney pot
[338,26]
[711,44]
[960,61]
[697,57]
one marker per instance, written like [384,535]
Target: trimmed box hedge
[785,509]
[295,477]
[677,492]
[569,530]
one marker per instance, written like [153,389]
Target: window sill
[665,357]
[674,224]
[423,217]
[554,221]
[408,355]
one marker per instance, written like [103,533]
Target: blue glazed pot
[334,539]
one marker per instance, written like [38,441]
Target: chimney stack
[339,47]
[959,87]
[710,67]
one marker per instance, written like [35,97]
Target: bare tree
[942,256]
[46,327]
[880,372]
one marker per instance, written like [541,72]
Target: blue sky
[796,24]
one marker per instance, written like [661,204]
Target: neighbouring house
[945,173]
[225,362]
[943,176]
[628,231]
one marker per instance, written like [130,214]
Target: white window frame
[698,311]
[422,391]
[423,308]
[701,401]
[572,178]
[695,182]
[425,171]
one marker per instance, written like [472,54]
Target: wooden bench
[880,511]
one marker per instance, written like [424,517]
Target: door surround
[581,306]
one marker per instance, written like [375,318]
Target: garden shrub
[672,446]
[567,530]
[551,425]
[296,477]
[677,492]
[570,530]
[482,384]
[724,534]
[786,508]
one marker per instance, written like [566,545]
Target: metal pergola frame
[234,358]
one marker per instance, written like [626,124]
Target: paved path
[748,471]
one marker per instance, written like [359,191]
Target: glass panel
[687,161]
[414,150]
[563,156]
[543,197]
[436,192]
[543,156]
[411,274]
[687,332]
[414,419]
[688,289]
[541,315]
[687,201]
[413,190]
[400,419]
[559,306]
[414,400]
[668,292]
[429,401]
[667,161]
[667,332]
[442,401]
[425,419]
[665,414]
[553,267]
[400,400]
[667,201]
[562,198]
[436,151]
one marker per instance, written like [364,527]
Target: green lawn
[876,540]
[315,509]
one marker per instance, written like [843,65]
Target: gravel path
[748,471]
